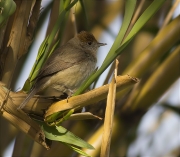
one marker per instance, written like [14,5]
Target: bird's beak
[101,44]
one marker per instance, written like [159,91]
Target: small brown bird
[68,66]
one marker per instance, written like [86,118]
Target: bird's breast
[71,78]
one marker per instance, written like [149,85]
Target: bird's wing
[61,59]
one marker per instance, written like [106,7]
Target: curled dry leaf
[83,116]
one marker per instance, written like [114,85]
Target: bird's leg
[69,93]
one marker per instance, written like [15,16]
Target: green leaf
[7,8]
[78,150]
[58,117]
[129,10]
[66,3]
[58,133]
[147,14]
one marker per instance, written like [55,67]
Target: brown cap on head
[86,36]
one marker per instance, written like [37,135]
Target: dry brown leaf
[19,119]
[109,115]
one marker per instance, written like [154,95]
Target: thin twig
[170,14]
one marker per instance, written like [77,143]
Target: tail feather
[26,100]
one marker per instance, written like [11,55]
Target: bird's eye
[89,43]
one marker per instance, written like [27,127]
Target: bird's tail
[26,100]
